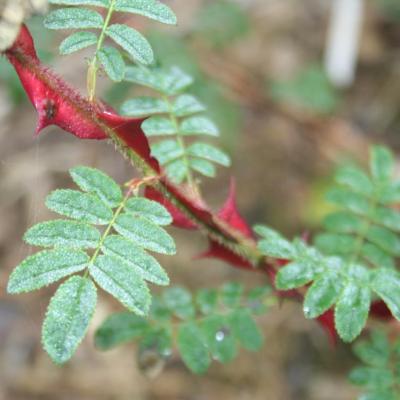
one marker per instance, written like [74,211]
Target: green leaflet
[167,151]
[77,41]
[143,106]
[294,275]
[46,267]
[355,179]
[193,347]
[63,233]
[133,42]
[149,8]
[151,210]
[179,301]
[169,82]
[120,328]
[245,330]
[98,3]
[207,300]
[112,62]
[67,318]
[231,294]
[199,126]
[95,181]
[81,206]
[351,311]
[381,164]
[73,18]
[159,126]
[273,243]
[219,338]
[144,265]
[208,152]
[386,284]
[186,104]
[321,296]
[145,234]
[122,282]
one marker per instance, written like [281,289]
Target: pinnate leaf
[67,318]
[46,267]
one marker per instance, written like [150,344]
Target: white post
[343,41]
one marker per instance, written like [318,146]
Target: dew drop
[220,336]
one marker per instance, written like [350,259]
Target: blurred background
[259,67]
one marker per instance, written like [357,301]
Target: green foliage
[210,325]
[117,261]
[222,22]
[364,226]
[380,375]
[310,90]
[174,114]
[355,260]
[130,41]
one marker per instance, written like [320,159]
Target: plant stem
[94,64]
